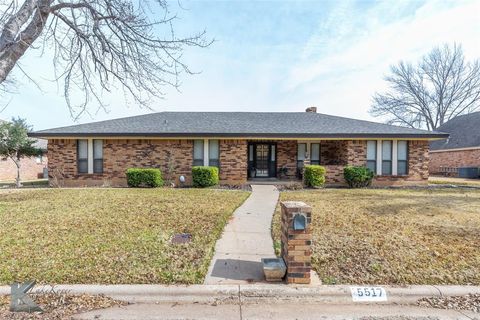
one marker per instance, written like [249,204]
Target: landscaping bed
[111,236]
[396,236]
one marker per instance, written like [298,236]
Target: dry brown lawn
[454,181]
[371,236]
[110,235]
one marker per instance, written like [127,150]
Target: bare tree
[442,86]
[97,45]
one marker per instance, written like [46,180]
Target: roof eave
[427,136]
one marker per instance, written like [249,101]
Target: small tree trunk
[18,183]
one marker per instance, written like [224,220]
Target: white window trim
[379,157]
[206,153]
[90,155]
[395,158]
[308,148]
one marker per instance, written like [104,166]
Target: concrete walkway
[245,240]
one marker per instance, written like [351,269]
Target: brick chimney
[311,109]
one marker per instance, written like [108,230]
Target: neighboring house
[31,168]
[461,149]
[244,145]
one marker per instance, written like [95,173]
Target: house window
[213,153]
[82,156]
[402,158]
[301,152]
[372,156]
[198,152]
[387,158]
[315,153]
[97,156]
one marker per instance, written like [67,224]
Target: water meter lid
[299,221]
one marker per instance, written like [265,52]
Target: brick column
[296,244]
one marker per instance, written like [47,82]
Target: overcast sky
[277,56]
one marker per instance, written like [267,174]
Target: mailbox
[299,222]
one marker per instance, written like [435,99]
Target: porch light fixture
[182,180]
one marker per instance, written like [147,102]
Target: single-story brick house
[244,145]
[461,149]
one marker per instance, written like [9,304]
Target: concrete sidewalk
[253,293]
[245,240]
[264,301]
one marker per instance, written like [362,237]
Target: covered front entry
[262,160]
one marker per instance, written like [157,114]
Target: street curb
[253,293]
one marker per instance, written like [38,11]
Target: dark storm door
[262,159]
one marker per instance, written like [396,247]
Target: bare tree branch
[99,46]
[441,87]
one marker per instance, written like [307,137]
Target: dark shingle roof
[464,133]
[237,124]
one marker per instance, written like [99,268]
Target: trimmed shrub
[138,177]
[204,176]
[314,176]
[358,177]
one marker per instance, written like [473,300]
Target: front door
[262,160]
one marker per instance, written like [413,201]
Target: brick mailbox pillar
[297,240]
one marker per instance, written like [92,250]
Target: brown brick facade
[175,158]
[287,157]
[30,168]
[233,161]
[454,159]
[418,161]
[343,152]
[337,154]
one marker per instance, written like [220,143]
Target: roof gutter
[454,149]
[427,136]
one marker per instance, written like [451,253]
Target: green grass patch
[371,236]
[111,236]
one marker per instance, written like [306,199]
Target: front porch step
[271,181]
